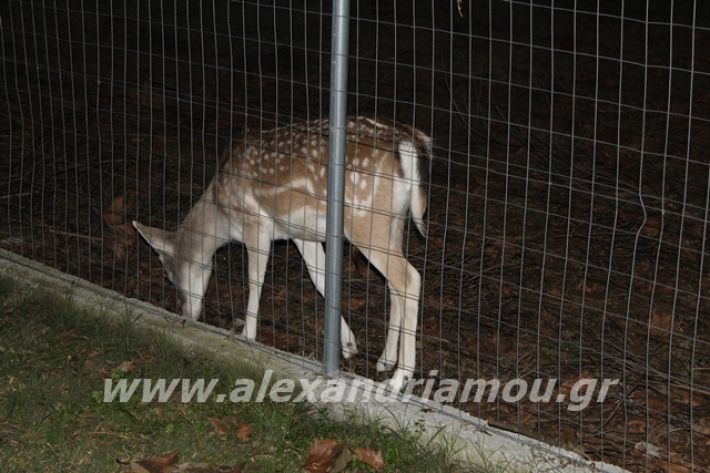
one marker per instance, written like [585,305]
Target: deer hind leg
[404,284]
[314,257]
[258,243]
[388,358]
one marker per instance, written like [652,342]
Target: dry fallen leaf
[322,455]
[371,457]
[162,464]
[679,468]
[123,237]
[199,468]
[124,240]
[355,303]
[115,215]
[126,367]
[596,288]
[244,430]
[67,335]
[509,291]
[636,426]
[341,461]
[219,425]
[281,297]
[93,354]
[661,322]
[653,226]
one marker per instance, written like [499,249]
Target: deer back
[282,174]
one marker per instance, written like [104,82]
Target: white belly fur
[303,223]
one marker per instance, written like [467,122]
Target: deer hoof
[398,380]
[349,349]
[385,364]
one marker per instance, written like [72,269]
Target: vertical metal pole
[336,185]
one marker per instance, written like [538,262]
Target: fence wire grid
[568,192]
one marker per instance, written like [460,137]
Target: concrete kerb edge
[468,438]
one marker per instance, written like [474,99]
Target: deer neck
[203,231]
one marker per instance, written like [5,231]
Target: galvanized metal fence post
[336,185]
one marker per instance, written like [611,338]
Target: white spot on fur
[376,124]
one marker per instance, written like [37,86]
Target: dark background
[568,199]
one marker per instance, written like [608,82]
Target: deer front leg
[258,250]
[314,257]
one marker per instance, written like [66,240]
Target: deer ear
[162,241]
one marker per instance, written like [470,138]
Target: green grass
[53,362]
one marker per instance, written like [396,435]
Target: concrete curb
[469,438]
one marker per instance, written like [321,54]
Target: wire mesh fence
[568,192]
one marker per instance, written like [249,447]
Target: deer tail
[414,158]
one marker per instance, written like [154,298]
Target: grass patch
[52,418]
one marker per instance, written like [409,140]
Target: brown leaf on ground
[371,457]
[119,251]
[509,290]
[67,335]
[146,356]
[281,297]
[432,302]
[93,353]
[661,322]
[243,431]
[341,462]
[162,464]
[555,291]
[322,455]
[592,288]
[679,468]
[219,425]
[116,214]
[123,240]
[123,237]
[126,367]
[125,233]
[636,426]
[196,468]
[439,303]
[652,227]
[355,303]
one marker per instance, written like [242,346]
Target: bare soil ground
[568,200]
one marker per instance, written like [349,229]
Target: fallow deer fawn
[274,186]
